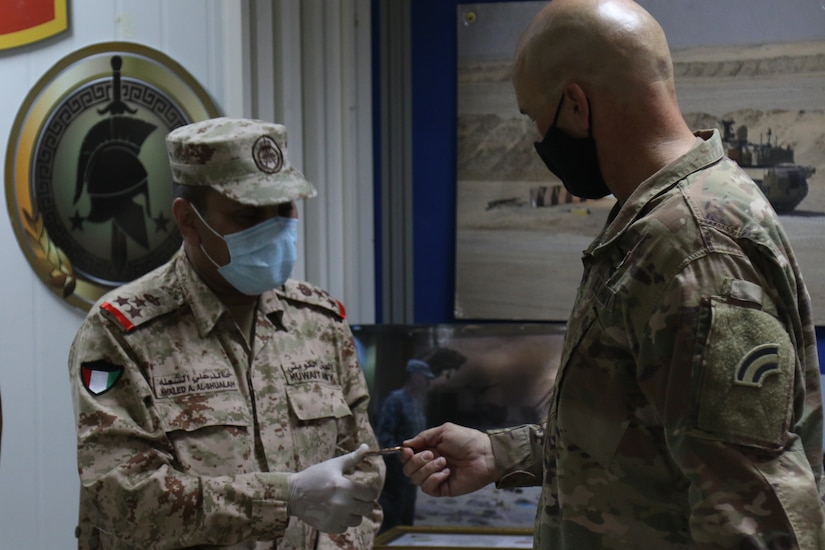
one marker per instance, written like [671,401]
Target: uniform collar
[207,309]
[708,150]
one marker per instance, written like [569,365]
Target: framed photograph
[483,376]
[445,538]
[486,375]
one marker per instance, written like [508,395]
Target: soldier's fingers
[406,454]
[422,465]
[416,461]
[437,484]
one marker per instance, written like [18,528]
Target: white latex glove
[322,497]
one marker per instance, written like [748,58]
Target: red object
[116,313]
[19,15]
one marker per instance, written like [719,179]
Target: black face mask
[573,160]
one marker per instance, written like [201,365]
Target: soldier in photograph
[403,415]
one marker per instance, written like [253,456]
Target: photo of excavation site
[753,70]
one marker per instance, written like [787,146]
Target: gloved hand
[322,497]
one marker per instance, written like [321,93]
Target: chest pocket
[315,401]
[211,433]
[322,420]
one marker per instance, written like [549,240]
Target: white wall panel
[188,32]
[336,137]
[53,464]
[321,70]
[35,430]
[287,89]
[139,21]
[90,21]
[38,476]
[361,252]
[235,59]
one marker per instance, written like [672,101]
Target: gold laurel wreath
[54,262]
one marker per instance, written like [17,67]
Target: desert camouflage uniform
[687,411]
[192,444]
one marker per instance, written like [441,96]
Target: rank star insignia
[99,376]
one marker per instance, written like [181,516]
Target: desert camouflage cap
[243,159]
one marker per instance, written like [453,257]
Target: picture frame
[448,538]
[486,376]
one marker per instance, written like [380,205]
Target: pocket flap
[193,412]
[312,401]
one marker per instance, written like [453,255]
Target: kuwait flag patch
[99,376]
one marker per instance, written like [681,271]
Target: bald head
[610,61]
[600,44]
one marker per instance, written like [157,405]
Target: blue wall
[434,158]
[820,345]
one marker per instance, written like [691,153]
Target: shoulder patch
[301,291]
[760,362]
[129,310]
[99,376]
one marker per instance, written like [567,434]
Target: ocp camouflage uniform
[687,410]
[191,443]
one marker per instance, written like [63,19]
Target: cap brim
[264,190]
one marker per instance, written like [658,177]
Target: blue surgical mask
[261,257]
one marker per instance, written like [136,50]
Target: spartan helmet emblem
[110,171]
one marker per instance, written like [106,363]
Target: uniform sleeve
[127,469]
[354,430]
[518,455]
[724,374]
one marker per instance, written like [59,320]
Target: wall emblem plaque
[88,185]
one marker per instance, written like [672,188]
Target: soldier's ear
[186,220]
[579,106]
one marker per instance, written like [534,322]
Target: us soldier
[687,409]
[218,402]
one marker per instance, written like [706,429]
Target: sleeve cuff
[269,515]
[517,454]
[255,499]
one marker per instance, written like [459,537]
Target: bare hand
[449,460]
